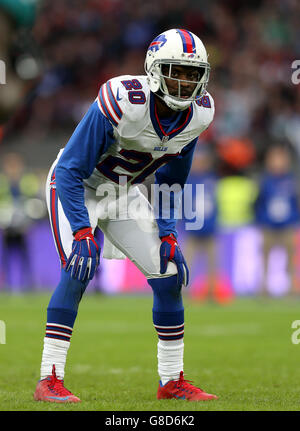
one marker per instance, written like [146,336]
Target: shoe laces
[57,385]
[185,384]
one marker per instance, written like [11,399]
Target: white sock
[54,353]
[170,359]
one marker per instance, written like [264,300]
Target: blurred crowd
[59,52]
[237,199]
[71,47]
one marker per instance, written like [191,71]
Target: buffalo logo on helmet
[157,43]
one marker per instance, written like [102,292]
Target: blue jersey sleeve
[91,138]
[166,204]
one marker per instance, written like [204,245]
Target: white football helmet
[176,47]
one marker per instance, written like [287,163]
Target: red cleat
[182,389]
[52,389]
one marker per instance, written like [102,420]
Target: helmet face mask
[191,88]
[177,68]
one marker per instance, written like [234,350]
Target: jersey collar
[180,122]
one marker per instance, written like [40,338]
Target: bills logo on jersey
[162,146]
[159,148]
[157,43]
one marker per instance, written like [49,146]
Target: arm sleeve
[169,183]
[91,138]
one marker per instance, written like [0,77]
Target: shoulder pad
[122,98]
[204,109]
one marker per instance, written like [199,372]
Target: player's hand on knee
[84,258]
[170,251]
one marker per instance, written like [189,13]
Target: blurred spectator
[21,204]
[251,47]
[278,211]
[16,53]
[236,190]
[236,194]
[203,201]
[59,52]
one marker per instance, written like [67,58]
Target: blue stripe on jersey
[105,107]
[113,101]
[91,138]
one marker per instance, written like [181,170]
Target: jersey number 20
[142,162]
[135,93]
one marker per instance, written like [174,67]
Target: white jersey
[141,145]
[121,135]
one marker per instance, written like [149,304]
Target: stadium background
[57,54]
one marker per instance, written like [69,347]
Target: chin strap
[176,105]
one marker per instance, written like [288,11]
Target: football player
[137,126]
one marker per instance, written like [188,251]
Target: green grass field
[242,352]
